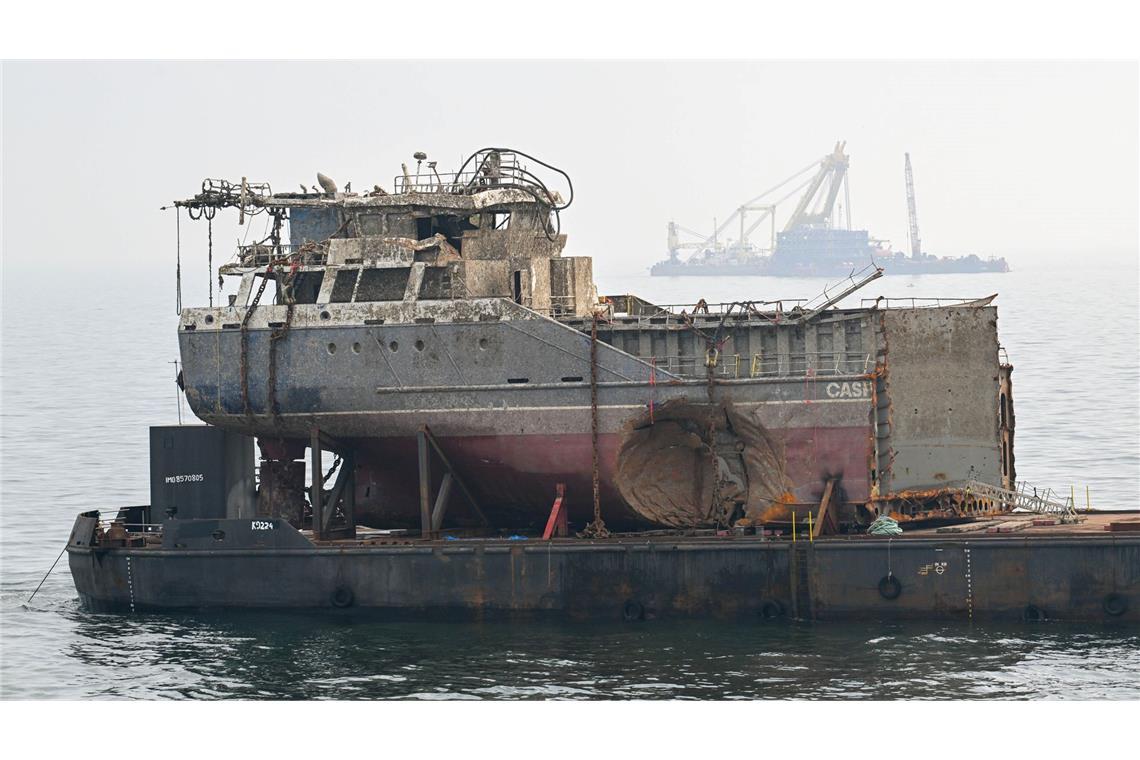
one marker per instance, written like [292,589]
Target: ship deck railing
[508,173]
[629,309]
[914,303]
[787,364]
[260,254]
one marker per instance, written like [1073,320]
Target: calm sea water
[84,372]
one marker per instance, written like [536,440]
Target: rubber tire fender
[1115,604]
[632,610]
[342,597]
[889,587]
[770,609]
[1034,614]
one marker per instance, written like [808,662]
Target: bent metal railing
[260,254]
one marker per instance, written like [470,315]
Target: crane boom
[912,214]
[750,202]
[834,168]
[815,207]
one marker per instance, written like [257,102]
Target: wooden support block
[973,527]
[825,512]
[1009,527]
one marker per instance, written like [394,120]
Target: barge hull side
[1094,579]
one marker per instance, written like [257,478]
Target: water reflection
[300,656]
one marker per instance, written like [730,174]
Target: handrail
[261,254]
[914,301]
[786,364]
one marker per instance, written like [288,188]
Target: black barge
[1004,569]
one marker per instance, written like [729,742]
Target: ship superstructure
[441,322]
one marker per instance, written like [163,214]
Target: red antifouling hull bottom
[514,478]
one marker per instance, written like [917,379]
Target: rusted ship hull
[514,442]
[508,393]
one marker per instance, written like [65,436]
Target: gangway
[1027,498]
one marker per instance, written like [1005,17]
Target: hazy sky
[1012,159]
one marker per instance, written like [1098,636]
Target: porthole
[209,319]
[325,315]
[393,346]
[419,345]
[332,348]
[483,343]
[356,348]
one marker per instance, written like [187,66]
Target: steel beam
[425,433]
[441,502]
[315,494]
[425,481]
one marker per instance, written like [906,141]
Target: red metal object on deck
[556,524]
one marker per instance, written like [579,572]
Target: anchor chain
[597,528]
[244,368]
[286,286]
[713,344]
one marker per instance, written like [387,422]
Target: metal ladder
[1028,498]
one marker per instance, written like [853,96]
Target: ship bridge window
[451,227]
[306,287]
[386,284]
[344,284]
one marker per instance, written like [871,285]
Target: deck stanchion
[425,483]
[316,495]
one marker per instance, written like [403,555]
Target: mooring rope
[53,564]
[210,254]
[178,259]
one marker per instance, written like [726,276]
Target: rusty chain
[597,528]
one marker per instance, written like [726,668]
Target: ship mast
[915,243]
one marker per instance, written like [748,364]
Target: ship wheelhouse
[490,231]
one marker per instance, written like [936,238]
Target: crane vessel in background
[816,240]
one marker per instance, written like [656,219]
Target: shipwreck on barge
[448,304]
[466,381]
